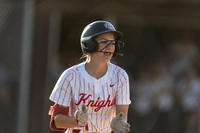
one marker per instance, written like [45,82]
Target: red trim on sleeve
[76,130]
[53,111]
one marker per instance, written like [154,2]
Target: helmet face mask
[91,31]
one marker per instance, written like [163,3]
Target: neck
[96,69]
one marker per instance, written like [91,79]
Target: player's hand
[81,116]
[118,125]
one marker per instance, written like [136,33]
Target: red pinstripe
[118,76]
[126,81]
[88,92]
[107,108]
[75,78]
[93,107]
[62,87]
[76,68]
[84,92]
[124,76]
[108,94]
[84,85]
[114,70]
[113,93]
[122,91]
[79,84]
[97,118]
[121,82]
[66,89]
[103,125]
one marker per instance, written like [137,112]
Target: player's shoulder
[120,74]
[117,68]
[73,69]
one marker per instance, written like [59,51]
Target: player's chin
[106,59]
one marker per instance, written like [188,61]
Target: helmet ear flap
[89,45]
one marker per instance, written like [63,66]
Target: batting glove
[118,125]
[81,116]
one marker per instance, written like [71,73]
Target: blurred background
[39,39]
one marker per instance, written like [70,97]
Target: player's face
[106,45]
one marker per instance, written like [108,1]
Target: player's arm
[64,121]
[124,109]
[60,119]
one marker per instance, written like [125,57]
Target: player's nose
[110,46]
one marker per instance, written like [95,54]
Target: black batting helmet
[89,45]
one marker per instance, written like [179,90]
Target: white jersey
[75,86]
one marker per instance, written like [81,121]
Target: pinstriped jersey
[75,87]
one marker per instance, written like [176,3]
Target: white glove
[81,116]
[119,126]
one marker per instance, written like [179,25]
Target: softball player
[93,96]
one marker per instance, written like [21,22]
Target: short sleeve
[61,93]
[123,92]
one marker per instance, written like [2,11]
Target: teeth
[108,54]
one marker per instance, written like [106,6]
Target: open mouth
[107,53]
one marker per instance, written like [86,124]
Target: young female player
[93,97]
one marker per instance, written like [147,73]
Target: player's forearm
[64,121]
[124,117]
[124,109]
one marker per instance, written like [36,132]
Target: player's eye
[112,42]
